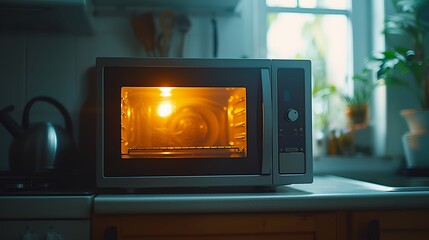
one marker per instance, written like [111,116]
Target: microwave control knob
[292,115]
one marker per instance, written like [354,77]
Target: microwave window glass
[183,122]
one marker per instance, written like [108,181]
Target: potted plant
[357,102]
[409,68]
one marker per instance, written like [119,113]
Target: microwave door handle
[267,122]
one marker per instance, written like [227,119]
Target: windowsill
[356,165]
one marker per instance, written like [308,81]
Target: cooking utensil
[183,25]
[144,29]
[40,147]
[167,22]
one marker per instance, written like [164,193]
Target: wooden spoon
[167,23]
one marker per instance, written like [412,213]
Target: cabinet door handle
[111,233]
[373,230]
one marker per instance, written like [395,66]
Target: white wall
[59,65]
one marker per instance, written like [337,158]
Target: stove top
[41,185]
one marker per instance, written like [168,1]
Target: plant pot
[417,120]
[416,150]
[416,142]
[357,116]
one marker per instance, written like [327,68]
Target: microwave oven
[168,123]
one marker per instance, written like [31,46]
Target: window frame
[365,24]
[360,21]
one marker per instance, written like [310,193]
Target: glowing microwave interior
[185,122]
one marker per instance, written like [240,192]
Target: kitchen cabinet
[390,225]
[47,215]
[42,16]
[340,225]
[220,226]
[190,7]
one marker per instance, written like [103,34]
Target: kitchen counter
[328,200]
[325,193]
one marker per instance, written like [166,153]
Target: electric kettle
[39,147]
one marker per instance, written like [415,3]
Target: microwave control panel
[291,120]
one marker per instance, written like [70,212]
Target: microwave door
[184,121]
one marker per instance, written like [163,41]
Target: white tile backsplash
[12,82]
[51,71]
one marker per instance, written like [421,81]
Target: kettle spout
[9,123]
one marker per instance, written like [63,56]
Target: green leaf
[323,91]
[409,5]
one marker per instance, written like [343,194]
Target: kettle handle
[55,103]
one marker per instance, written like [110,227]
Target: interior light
[165,91]
[165,109]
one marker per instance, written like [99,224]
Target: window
[327,32]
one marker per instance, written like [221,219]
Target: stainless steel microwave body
[166,123]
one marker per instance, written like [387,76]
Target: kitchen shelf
[188,7]
[49,16]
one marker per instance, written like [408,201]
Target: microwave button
[291,149]
[291,115]
[281,132]
[291,163]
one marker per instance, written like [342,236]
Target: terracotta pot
[417,120]
[357,116]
